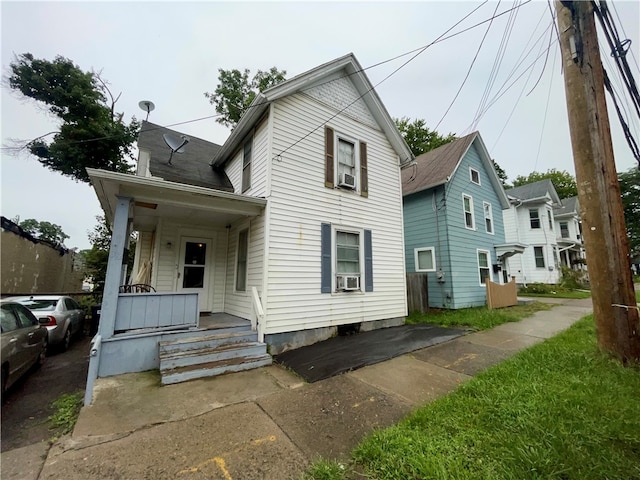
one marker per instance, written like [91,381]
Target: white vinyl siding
[298,208]
[259,164]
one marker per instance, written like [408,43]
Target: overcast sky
[170,53]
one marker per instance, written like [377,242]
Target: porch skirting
[281,342]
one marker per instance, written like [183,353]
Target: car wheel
[66,341]
[42,357]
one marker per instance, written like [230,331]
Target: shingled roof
[191,167]
[436,166]
[534,191]
[570,206]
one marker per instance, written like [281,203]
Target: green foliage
[419,138]
[630,191]
[235,92]
[573,279]
[326,470]
[44,230]
[553,291]
[502,175]
[67,408]
[91,134]
[563,181]
[97,257]
[559,410]
[476,318]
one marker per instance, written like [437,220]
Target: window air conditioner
[348,283]
[347,180]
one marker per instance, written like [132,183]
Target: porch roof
[155,198]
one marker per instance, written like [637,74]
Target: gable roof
[294,85]
[191,167]
[570,207]
[536,191]
[438,166]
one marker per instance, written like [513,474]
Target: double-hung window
[246,164]
[488,217]
[483,266]
[346,260]
[564,229]
[241,260]
[469,219]
[534,218]
[538,253]
[346,163]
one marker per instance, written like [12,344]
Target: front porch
[183,249]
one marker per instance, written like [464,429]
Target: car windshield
[40,304]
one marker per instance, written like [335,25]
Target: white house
[529,221]
[292,228]
[569,234]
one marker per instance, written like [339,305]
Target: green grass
[67,408]
[560,410]
[476,318]
[560,294]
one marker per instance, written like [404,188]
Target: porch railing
[158,311]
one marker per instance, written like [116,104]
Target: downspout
[440,273]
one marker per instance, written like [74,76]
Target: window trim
[334,260]
[246,164]
[237,263]
[537,218]
[471,172]
[464,212]
[416,251]
[490,217]
[488,267]
[563,230]
[338,137]
[535,257]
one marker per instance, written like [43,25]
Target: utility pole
[604,232]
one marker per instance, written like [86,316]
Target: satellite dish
[176,144]
[147,106]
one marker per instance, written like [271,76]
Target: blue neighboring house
[453,227]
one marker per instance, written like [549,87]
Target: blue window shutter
[368,262]
[325,266]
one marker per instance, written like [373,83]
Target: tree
[91,133]
[44,230]
[502,175]
[630,191]
[563,181]
[97,257]
[235,92]
[419,138]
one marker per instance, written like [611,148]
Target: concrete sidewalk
[267,423]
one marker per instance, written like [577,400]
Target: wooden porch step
[211,369]
[209,353]
[208,341]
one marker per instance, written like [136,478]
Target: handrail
[257,306]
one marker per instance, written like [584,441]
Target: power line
[475,57]
[546,109]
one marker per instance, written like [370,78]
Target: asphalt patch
[345,353]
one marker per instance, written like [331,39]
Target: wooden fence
[417,292]
[499,296]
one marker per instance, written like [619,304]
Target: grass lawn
[559,410]
[477,318]
[559,294]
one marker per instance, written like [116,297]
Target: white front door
[193,269]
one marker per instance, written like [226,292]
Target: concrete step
[207,340]
[207,354]
[211,369]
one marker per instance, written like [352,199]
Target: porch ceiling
[154,198]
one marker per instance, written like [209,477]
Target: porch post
[113,279]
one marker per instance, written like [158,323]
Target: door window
[194,263]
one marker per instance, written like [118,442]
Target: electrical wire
[633,55]
[475,57]
[546,110]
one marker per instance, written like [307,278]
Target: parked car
[63,317]
[24,342]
